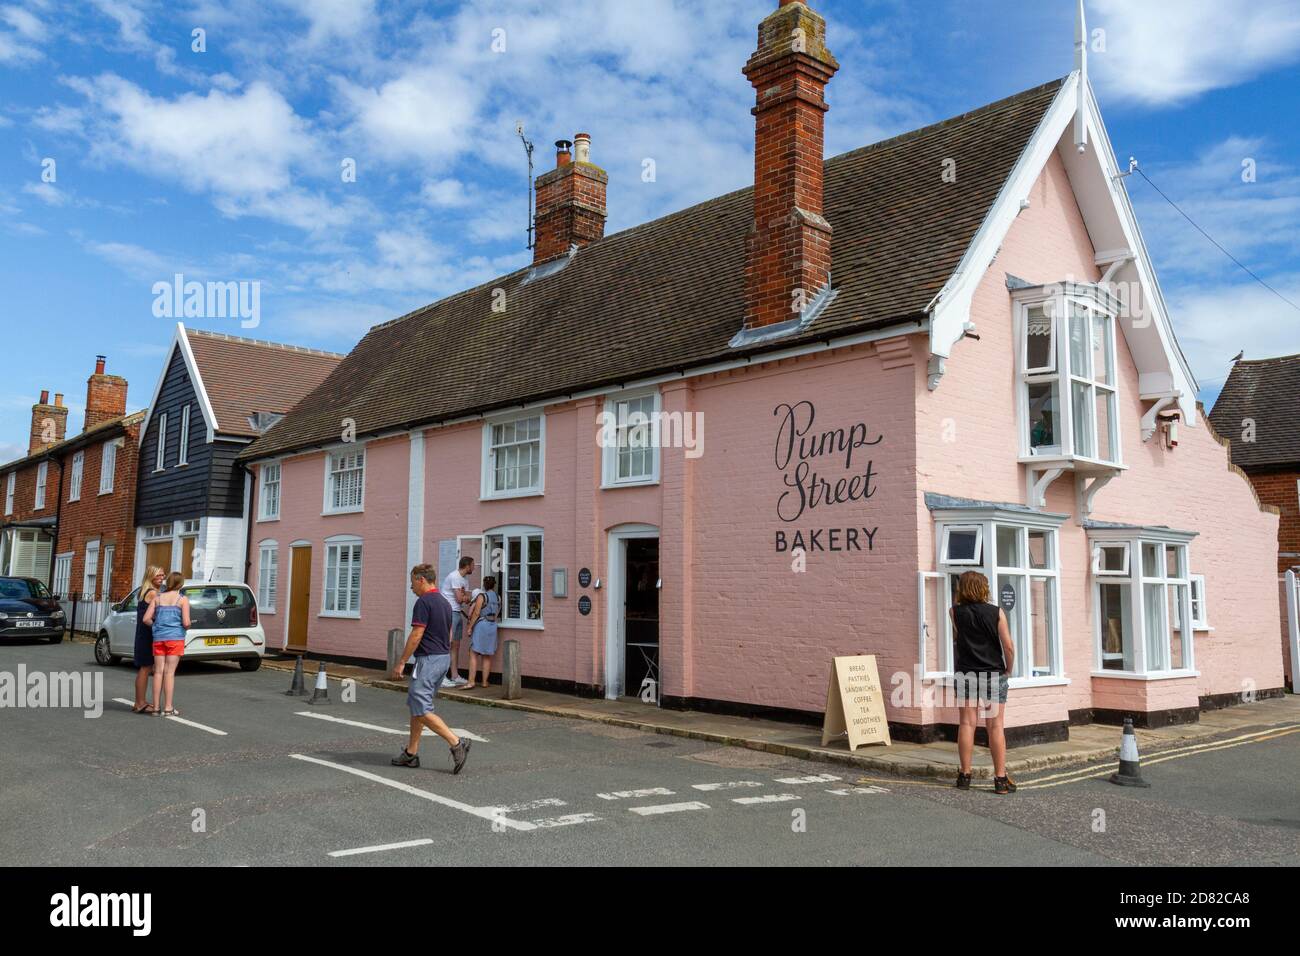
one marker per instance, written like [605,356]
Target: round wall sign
[1007,597]
[584,605]
[584,577]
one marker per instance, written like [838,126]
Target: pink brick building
[985,377]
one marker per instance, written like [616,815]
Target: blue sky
[224,164]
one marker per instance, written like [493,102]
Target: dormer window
[1066,363]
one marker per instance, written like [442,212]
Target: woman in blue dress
[483,612]
[154,579]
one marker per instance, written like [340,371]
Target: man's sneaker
[405,759]
[1004,785]
[458,755]
[963,780]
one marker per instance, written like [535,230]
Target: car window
[15,589]
[210,598]
[131,600]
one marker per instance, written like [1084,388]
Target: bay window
[1017,550]
[1141,601]
[1066,360]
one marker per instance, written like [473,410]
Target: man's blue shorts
[426,675]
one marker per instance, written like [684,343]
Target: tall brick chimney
[790,242]
[105,396]
[570,201]
[49,423]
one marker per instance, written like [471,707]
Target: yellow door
[158,554]
[187,556]
[299,597]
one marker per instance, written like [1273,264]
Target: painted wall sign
[584,577]
[855,703]
[1007,597]
[821,468]
[584,605]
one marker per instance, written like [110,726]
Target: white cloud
[333,19]
[23,22]
[1168,51]
[21,36]
[47,193]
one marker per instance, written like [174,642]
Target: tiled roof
[80,440]
[244,376]
[669,294]
[1266,391]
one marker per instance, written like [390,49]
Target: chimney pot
[582,148]
[99,364]
[45,396]
[562,155]
[58,399]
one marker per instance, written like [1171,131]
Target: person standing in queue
[169,615]
[150,585]
[983,659]
[482,629]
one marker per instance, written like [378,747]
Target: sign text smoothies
[821,467]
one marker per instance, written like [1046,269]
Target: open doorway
[633,662]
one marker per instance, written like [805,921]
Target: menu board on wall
[855,703]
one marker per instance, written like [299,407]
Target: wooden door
[299,596]
[158,554]
[187,556]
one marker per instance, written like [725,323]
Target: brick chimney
[49,423]
[790,242]
[570,201]
[105,396]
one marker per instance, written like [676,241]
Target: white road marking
[531,805]
[384,730]
[845,791]
[485,813]
[815,778]
[566,821]
[179,720]
[669,808]
[730,785]
[765,798]
[381,848]
[634,794]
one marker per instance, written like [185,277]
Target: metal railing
[84,614]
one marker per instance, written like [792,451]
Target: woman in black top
[143,657]
[983,658]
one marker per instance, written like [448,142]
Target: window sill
[521,625]
[506,495]
[1051,681]
[109,492]
[344,615]
[1153,675]
[265,611]
[343,511]
[630,483]
[267,520]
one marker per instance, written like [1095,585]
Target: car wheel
[103,654]
[249,663]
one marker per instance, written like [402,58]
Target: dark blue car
[28,610]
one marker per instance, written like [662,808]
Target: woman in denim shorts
[984,656]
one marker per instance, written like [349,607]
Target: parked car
[223,626]
[28,609]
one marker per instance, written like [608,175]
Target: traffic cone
[1130,771]
[296,688]
[321,693]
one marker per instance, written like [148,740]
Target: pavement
[1088,743]
[250,776]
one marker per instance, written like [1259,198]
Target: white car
[223,626]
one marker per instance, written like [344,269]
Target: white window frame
[1097,549]
[106,573]
[89,569]
[107,467]
[988,520]
[264,512]
[268,576]
[345,454]
[974,561]
[1137,580]
[501,537]
[613,433]
[160,461]
[183,453]
[42,479]
[1059,301]
[10,485]
[356,554]
[488,490]
[78,471]
[1201,621]
[62,583]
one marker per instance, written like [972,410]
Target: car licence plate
[220,641]
[29,623]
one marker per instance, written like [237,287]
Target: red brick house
[69,507]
